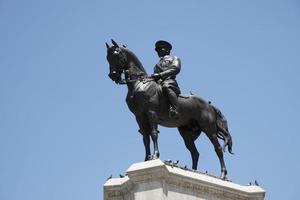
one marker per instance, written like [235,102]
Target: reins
[131,77]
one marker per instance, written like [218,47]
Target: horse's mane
[135,59]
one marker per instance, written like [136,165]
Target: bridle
[123,69]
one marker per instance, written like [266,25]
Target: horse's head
[117,60]
[122,60]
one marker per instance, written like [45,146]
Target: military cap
[161,43]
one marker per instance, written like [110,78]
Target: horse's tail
[223,132]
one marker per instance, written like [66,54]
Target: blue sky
[65,126]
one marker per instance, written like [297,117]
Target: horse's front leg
[153,122]
[145,131]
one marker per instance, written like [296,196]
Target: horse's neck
[134,66]
[133,86]
[134,71]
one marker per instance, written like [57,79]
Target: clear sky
[65,126]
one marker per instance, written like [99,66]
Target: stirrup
[173,113]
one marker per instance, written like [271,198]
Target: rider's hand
[155,76]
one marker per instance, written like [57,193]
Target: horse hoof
[223,175]
[155,156]
[147,158]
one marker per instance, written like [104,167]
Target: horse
[146,100]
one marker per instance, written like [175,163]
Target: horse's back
[190,101]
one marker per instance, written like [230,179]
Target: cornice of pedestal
[190,181]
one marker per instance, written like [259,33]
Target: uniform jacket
[168,67]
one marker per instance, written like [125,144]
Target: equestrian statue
[157,100]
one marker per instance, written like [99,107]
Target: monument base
[154,180]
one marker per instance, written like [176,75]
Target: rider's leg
[172,96]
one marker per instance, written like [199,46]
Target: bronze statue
[147,101]
[165,72]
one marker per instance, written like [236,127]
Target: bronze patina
[156,100]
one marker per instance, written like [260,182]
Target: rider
[165,72]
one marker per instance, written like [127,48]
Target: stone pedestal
[154,180]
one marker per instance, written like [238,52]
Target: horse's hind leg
[189,138]
[219,151]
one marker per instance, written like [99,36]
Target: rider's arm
[173,70]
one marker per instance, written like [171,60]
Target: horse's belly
[167,122]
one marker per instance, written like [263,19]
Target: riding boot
[173,113]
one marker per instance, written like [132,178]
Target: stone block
[155,180]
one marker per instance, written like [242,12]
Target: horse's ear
[107,46]
[114,43]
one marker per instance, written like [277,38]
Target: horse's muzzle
[113,75]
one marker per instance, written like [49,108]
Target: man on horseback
[196,114]
[165,72]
